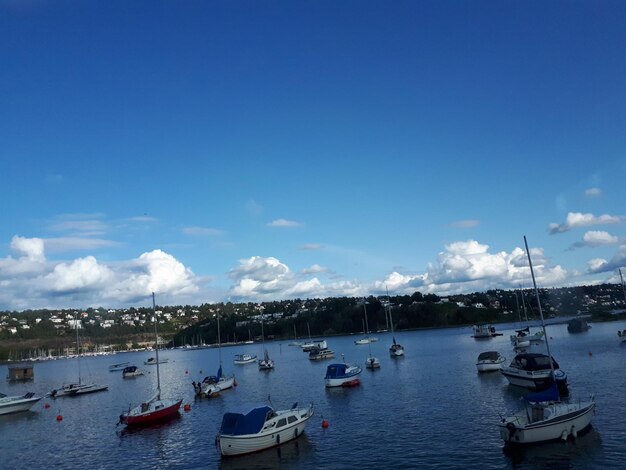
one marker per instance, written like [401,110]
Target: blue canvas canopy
[334,371]
[238,424]
[550,394]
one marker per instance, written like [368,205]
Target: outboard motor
[561,382]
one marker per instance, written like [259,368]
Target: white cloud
[82,274]
[593,192]
[599,265]
[469,223]
[92,227]
[254,208]
[578,219]
[315,268]
[202,231]
[284,223]
[31,281]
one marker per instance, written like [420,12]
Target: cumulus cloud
[578,219]
[594,238]
[599,265]
[593,192]
[283,223]
[467,266]
[315,268]
[469,223]
[33,281]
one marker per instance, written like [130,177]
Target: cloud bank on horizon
[30,280]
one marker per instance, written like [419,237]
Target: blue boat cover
[219,373]
[238,424]
[550,394]
[335,371]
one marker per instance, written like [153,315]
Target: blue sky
[258,150]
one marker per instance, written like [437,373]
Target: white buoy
[564,435]
[573,432]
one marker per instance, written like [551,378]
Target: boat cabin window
[281,422]
[292,419]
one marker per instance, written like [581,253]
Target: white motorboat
[315,344]
[77,388]
[342,375]
[372,363]
[241,359]
[622,335]
[131,371]
[534,371]
[156,409]
[151,361]
[321,354]
[544,417]
[261,428]
[117,367]
[15,404]
[484,331]
[489,361]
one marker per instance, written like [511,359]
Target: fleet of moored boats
[544,416]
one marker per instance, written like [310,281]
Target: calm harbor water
[429,409]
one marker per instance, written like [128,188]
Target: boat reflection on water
[556,454]
[287,455]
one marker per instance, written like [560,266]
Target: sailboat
[522,337]
[544,416]
[266,363]
[77,388]
[396,349]
[156,408]
[214,384]
[367,339]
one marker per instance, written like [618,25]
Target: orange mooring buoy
[187,407]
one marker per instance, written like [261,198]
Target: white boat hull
[532,380]
[246,444]
[562,420]
[16,404]
[208,390]
[489,366]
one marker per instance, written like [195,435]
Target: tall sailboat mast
[623,288]
[543,326]
[77,348]
[156,345]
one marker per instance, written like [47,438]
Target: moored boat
[321,354]
[578,325]
[484,331]
[151,361]
[544,417]
[342,375]
[241,359]
[622,335]
[131,371]
[261,428]
[372,363]
[489,361]
[15,404]
[266,363]
[156,409]
[120,366]
[533,371]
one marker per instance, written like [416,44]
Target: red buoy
[590,354]
[46,405]
[187,407]
[324,423]
[59,418]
